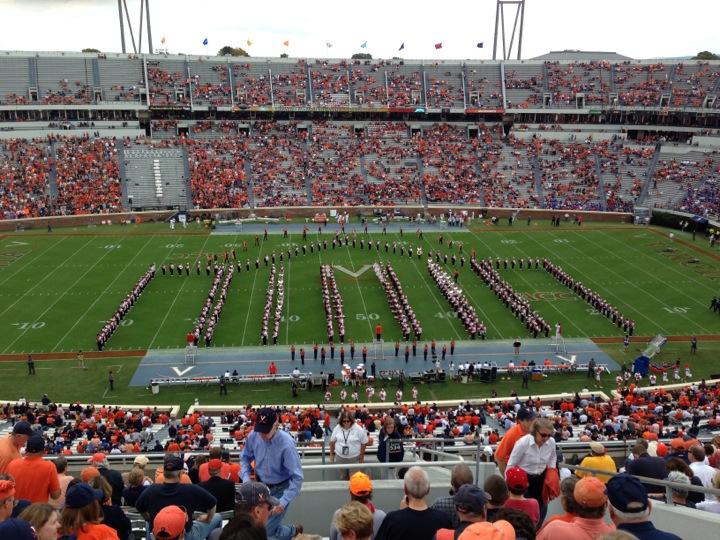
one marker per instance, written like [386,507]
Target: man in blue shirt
[630,508]
[277,465]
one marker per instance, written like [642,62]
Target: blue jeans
[274,526]
[201,529]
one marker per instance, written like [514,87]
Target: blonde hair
[136,477]
[542,423]
[37,514]
[103,485]
[355,517]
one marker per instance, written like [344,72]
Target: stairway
[421,176]
[649,175]
[250,183]
[601,184]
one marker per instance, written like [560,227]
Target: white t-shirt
[348,442]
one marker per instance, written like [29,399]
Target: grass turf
[56,289]
[63,381]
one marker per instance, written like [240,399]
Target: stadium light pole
[122,27]
[124,12]
[517,27]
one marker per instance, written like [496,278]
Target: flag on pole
[205,41]
[364,45]
[163,40]
[328,44]
[249,43]
[286,42]
[402,46]
[480,45]
[438,45]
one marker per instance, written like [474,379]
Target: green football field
[57,288]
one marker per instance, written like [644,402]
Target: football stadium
[241,296]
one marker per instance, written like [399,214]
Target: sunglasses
[545,435]
[346,421]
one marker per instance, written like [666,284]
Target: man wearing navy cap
[470,502]
[253,506]
[190,497]
[630,508]
[35,479]
[277,464]
[11,444]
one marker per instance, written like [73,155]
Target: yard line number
[29,325]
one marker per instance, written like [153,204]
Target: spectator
[348,442]
[415,520]
[498,530]
[113,477]
[567,500]
[496,488]
[190,497]
[520,521]
[535,454]
[677,464]
[699,466]
[460,476]
[517,483]
[7,499]
[204,468]
[82,515]
[135,487]
[220,488]
[354,521]
[711,506]
[597,459]
[113,515]
[253,508]
[630,508]
[169,523]
[679,495]
[35,479]
[360,491]
[390,446]
[277,463]
[591,498]
[63,479]
[17,529]
[470,505]
[646,465]
[11,444]
[525,418]
[44,519]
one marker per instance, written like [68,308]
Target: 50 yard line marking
[39,317]
[50,274]
[99,296]
[357,283]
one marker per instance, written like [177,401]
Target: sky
[636,28]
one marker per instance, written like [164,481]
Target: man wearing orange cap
[361,491]
[7,499]
[11,444]
[591,497]
[220,488]
[114,478]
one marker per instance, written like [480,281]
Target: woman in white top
[347,443]
[708,505]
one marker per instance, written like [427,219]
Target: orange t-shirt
[507,443]
[8,452]
[34,477]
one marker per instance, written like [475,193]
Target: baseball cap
[590,492]
[22,428]
[661,450]
[266,418]
[215,464]
[483,530]
[169,522]
[677,444]
[80,495]
[173,463]
[141,460]
[7,489]
[360,484]
[17,529]
[597,447]
[525,414]
[88,473]
[97,457]
[35,444]
[471,498]
[624,490]
[254,493]
[516,478]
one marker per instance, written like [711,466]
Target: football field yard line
[442,310]
[475,302]
[32,260]
[287,292]
[660,301]
[672,268]
[177,295]
[362,297]
[99,296]
[39,317]
[592,280]
[252,292]
[47,276]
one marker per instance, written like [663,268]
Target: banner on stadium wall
[484,111]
